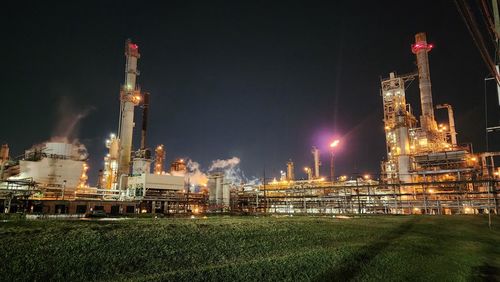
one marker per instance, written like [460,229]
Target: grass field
[425,248]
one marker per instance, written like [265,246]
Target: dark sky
[260,80]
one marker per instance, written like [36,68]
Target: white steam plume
[195,175]
[224,164]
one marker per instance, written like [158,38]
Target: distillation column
[421,50]
[129,98]
[397,120]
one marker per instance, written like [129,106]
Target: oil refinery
[426,170]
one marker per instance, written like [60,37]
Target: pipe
[145,107]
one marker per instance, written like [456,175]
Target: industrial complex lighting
[334,144]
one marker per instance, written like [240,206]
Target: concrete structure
[219,191]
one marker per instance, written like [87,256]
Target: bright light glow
[415,48]
[366,176]
[423,142]
[431,191]
[334,144]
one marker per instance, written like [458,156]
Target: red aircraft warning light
[422,45]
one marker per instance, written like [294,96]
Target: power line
[477,37]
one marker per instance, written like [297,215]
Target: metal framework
[444,197]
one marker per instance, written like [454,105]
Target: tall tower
[290,171]
[421,50]
[317,161]
[130,96]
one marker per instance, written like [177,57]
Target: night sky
[260,80]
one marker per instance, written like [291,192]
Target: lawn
[389,248]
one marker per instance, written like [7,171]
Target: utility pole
[496,18]
[357,192]
[265,195]
[331,167]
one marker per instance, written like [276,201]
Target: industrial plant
[426,171]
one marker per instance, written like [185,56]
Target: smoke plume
[195,175]
[224,164]
[68,118]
